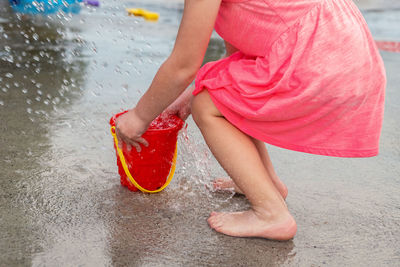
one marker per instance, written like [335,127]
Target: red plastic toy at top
[151,167]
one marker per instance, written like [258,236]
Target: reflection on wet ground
[61,79]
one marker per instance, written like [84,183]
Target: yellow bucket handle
[127,172]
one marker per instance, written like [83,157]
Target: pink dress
[307,77]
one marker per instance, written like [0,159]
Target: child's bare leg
[238,155]
[228,184]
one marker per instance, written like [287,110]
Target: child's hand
[129,128]
[181,107]
[182,110]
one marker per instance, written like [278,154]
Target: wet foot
[250,224]
[226,184]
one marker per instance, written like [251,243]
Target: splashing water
[198,169]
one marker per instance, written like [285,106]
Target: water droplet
[24,90]
[56,100]
[96,94]
[35,36]
[1,103]
[10,59]
[9,75]
[29,110]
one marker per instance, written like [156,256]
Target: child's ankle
[276,214]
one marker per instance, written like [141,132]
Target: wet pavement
[61,204]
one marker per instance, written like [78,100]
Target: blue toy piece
[45,7]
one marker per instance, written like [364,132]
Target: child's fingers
[142,141]
[137,142]
[129,144]
[136,146]
[120,138]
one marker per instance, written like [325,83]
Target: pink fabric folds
[308,76]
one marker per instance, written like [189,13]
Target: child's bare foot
[251,224]
[226,184]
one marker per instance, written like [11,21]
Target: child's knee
[203,109]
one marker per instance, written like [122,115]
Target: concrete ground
[62,78]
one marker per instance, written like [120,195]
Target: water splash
[197,169]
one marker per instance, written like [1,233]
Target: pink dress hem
[362,153]
[307,77]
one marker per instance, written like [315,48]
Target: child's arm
[176,73]
[182,105]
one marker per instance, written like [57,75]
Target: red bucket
[151,167]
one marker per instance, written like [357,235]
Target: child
[301,75]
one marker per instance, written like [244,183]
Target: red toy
[149,169]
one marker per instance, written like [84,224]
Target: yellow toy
[143,13]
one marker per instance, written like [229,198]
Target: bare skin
[191,43]
[268,216]
[224,184]
[181,107]
[253,224]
